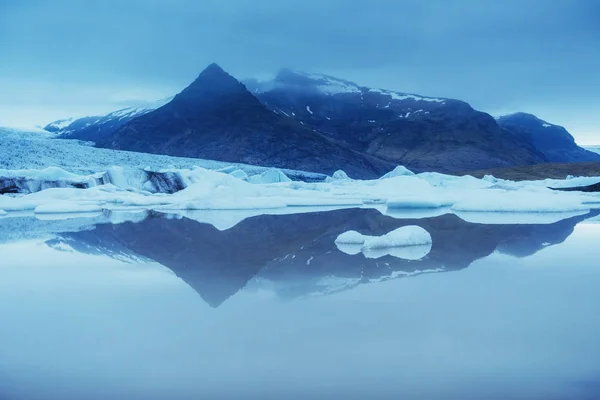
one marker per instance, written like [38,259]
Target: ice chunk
[405,236]
[408,242]
[398,171]
[2,212]
[60,207]
[351,237]
[339,175]
[522,202]
[272,175]
[321,201]
[415,201]
[404,252]
[226,204]
[239,174]
[520,218]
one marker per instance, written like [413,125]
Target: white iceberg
[338,175]
[398,171]
[406,236]
[412,201]
[523,201]
[403,252]
[61,207]
[351,237]
[272,175]
[408,242]
[239,174]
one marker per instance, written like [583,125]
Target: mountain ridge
[379,126]
[216,117]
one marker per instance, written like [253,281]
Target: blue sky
[69,57]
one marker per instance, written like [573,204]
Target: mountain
[96,128]
[217,118]
[321,123]
[593,149]
[422,133]
[553,141]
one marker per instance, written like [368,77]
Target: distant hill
[553,141]
[96,128]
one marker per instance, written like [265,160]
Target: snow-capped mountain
[58,126]
[553,141]
[377,128]
[217,118]
[421,132]
[94,128]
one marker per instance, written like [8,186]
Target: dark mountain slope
[423,133]
[217,118]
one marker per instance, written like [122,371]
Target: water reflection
[296,253]
[87,313]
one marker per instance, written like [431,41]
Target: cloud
[509,54]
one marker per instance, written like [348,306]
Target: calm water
[170,308]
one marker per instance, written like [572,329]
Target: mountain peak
[212,81]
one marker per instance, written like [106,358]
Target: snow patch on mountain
[59,125]
[70,125]
[406,96]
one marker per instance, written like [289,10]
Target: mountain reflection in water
[296,253]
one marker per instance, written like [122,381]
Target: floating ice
[414,201]
[61,207]
[400,194]
[408,242]
[240,174]
[273,175]
[398,171]
[351,237]
[405,236]
[338,175]
[2,212]
[546,201]
[404,252]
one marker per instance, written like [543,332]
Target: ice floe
[408,242]
[400,193]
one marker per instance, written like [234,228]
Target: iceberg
[404,252]
[61,207]
[272,175]
[351,237]
[398,171]
[239,174]
[414,201]
[338,175]
[408,242]
[406,236]
[400,195]
[523,201]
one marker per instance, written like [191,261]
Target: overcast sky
[64,58]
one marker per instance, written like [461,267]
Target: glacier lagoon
[227,304]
